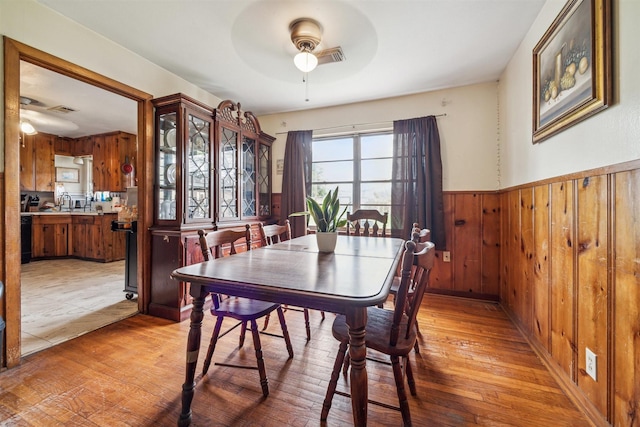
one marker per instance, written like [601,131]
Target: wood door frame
[14,52]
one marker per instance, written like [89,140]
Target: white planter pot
[327,241]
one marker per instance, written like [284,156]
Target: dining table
[358,274]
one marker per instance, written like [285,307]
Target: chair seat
[244,308]
[377,334]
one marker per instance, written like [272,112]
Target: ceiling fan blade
[47,123]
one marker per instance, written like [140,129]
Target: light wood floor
[474,369]
[65,298]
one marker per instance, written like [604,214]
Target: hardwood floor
[474,369]
[65,298]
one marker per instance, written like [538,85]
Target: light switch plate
[592,363]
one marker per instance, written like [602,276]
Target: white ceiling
[241,49]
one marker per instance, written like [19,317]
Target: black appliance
[25,238]
[25,202]
[131,255]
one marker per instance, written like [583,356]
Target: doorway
[14,52]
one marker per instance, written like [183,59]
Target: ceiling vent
[61,109]
[327,56]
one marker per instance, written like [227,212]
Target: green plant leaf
[327,215]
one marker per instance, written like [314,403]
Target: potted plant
[328,219]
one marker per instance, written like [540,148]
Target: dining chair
[423,235]
[365,222]
[269,235]
[392,333]
[418,235]
[245,310]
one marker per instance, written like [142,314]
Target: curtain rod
[358,124]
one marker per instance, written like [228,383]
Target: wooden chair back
[424,235]
[214,242]
[365,222]
[211,243]
[417,262]
[270,234]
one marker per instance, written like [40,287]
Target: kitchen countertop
[79,212]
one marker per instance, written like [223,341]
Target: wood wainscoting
[570,280]
[472,220]
[563,257]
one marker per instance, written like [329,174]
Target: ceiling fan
[306,35]
[44,119]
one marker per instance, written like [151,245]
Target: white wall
[37,26]
[610,137]
[468,133]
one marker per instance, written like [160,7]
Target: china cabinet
[212,169]
[184,162]
[183,196]
[244,165]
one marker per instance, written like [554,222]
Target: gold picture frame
[572,67]
[67,175]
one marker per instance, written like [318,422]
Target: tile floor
[63,299]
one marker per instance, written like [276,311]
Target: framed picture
[67,175]
[572,67]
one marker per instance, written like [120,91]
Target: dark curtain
[296,179]
[416,194]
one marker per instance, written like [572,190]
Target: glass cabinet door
[228,174]
[248,177]
[167,164]
[264,184]
[198,169]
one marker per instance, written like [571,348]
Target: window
[359,164]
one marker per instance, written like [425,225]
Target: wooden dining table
[358,274]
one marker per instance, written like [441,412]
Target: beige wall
[468,133]
[612,136]
[37,26]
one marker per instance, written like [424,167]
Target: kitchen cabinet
[110,151]
[73,146]
[63,146]
[86,237]
[27,177]
[50,236]
[83,146]
[77,235]
[244,165]
[44,162]
[37,170]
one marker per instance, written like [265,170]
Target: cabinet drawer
[81,219]
[52,219]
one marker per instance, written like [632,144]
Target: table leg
[193,348]
[356,320]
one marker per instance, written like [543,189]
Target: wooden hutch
[212,170]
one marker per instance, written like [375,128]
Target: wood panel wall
[472,221]
[3,299]
[571,280]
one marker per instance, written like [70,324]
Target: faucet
[65,196]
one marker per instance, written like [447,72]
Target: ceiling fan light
[305,61]
[27,128]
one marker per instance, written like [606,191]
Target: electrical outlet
[592,363]
[446,256]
